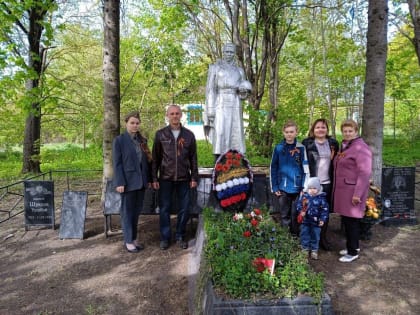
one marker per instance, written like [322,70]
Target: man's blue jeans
[182,190]
[309,237]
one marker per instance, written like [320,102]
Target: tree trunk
[32,136]
[374,90]
[414,7]
[111,77]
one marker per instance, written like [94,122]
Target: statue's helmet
[245,85]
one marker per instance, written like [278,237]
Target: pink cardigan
[352,171]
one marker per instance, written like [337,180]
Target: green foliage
[230,253]
[206,157]
[205,154]
[402,108]
[74,109]
[73,157]
[64,156]
[401,151]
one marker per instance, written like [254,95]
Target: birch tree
[414,7]
[111,78]
[374,90]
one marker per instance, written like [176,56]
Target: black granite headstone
[398,189]
[73,214]
[112,204]
[260,192]
[149,202]
[39,203]
[205,195]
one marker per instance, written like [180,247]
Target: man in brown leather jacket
[174,168]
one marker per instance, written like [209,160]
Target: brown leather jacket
[174,160]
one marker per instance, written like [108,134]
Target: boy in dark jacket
[288,172]
[312,209]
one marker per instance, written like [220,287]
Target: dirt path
[41,274]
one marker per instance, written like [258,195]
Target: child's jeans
[309,237]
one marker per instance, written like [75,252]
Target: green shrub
[233,242]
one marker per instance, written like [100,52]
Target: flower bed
[238,252]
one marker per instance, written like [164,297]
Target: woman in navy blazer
[131,159]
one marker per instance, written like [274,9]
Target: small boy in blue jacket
[312,209]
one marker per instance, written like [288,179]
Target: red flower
[254,222]
[229,155]
[229,162]
[219,167]
[224,202]
[247,234]
[226,168]
[238,156]
[257,211]
[236,163]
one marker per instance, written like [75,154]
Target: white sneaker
[344,251]
[348,258]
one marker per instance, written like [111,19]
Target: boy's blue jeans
[309,237]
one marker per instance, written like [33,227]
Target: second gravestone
[398,188]
[73,214]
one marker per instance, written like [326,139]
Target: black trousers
[323,242]
[131,206]
[352,231]
[284,211]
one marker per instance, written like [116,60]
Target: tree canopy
[305,60]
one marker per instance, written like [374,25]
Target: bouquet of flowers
[372,212]
[232,180]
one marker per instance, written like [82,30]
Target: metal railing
[12,195]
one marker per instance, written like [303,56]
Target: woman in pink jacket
[353,168]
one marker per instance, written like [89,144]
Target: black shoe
[182,244]
[140,247]
[164,245]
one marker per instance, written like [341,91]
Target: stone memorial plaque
[112,204]
[205,195]
[195,209]
[260,192]
[398,188]
[73,214]
[39,203]
[149,202]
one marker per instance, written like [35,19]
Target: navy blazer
[128,170]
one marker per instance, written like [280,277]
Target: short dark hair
[134,114]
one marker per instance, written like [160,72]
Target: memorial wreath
[232,180]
